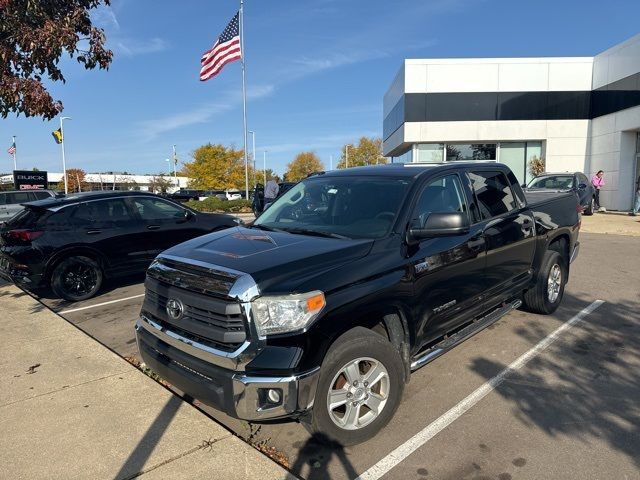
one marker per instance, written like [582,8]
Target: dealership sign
[29,180]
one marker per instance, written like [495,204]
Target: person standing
[598,182]
[636,204]
[271,190]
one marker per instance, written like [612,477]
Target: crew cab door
[508,229]
[448,271]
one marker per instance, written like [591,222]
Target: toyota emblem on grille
[175,309]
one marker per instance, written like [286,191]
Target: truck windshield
[553,182]
[352,207]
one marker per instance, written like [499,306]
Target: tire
[546,295]
[76,278]
[374,355]
[591,208]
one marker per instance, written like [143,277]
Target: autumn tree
[159,184]
[216,167]
[75,181]
[34,35]
[368,151]
[304,164]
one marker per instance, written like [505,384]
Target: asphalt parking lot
[569,410]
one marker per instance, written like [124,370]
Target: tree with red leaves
[34,34]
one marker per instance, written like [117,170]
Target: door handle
[476,244]
[93,232]
[153,227]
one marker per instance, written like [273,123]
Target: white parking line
[100,304]
[430,431]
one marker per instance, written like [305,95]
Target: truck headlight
[286,313]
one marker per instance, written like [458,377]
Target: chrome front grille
[209,316]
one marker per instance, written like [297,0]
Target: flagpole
[244,103]
[175,167]
[15,164]
[64,161]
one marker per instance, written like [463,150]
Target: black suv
[72,244]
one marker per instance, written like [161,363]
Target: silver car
[10,202]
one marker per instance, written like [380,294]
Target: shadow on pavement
[316,454]
[586,385]
[139,456]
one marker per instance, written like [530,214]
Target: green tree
[368,151]
[216,167]
[304,164]
[34,35]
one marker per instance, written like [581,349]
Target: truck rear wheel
[360,387]
[545,296]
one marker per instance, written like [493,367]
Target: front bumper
[233,392]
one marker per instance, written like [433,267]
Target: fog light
[274,395]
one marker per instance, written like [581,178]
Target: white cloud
[134,47]
[151,129]
[105,17]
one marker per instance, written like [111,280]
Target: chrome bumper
[209,376]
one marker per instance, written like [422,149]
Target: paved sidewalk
[611,223]
[70,408]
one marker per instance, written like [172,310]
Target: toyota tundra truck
[352,280]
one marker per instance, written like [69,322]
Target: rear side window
[18,197]
[493,193]
[103,213]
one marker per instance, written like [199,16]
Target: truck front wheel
[360,387]
[545,296]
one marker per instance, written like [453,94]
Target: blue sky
[316,72]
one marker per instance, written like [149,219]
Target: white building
[113,181]
[578,114]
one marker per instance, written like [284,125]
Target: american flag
[225,50]
[12,149]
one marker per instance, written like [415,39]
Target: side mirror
[441,225]
[582,186]
[524,185]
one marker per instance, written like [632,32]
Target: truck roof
[408,170]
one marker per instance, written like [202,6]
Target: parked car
[73,244]
[184,195]
[219,194]
[233,195]
[11,202]
[350,281]
[563,182]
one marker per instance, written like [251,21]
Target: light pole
[64,162]
[264,168]
[253,155]
[346,154]
[175,167]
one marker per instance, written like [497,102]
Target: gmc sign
[29,180]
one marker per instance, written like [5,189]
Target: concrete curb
[70,408]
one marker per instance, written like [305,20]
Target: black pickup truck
[353,279]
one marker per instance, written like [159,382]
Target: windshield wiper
[315,233]
[265,228]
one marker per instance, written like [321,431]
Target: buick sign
[30,180]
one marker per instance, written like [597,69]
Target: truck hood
[277,261]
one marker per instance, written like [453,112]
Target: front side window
[493,193]
[346,206]
[443,195]
[155,209]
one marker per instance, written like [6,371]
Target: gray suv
[10,202]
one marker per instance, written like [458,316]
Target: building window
[430,153]
[472,151]
[517,156]
[406,157]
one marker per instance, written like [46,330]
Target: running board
[462,335]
